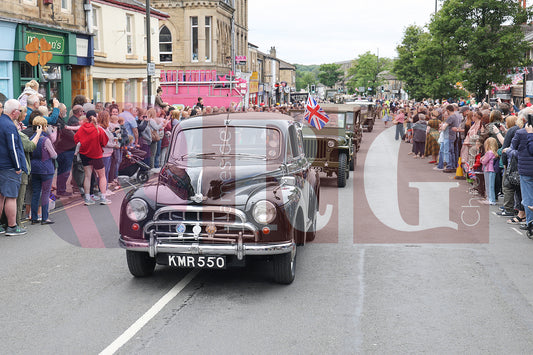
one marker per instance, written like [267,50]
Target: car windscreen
[247,143]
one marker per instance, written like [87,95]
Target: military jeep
[370,111]
[333,149]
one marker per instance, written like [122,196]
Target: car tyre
[342,173]
[284,267]
[140,263]
[142,176]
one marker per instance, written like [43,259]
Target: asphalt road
[404,295]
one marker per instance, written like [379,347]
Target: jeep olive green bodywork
[333,149]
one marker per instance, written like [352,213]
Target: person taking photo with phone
[92,138]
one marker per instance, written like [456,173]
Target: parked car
[233,186]
[370,111]
[333,149]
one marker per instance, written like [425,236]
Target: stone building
[197,34]
[59,52]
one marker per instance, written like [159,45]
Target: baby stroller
[132,162]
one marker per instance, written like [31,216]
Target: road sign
[150,67]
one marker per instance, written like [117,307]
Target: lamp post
[148,56]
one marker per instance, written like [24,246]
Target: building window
[208,38]
[165,45]
[96,31]
[65,5]
[194,38]
[98,90]
[129,37]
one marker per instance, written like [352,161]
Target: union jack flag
[314,114]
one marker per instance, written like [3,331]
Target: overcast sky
[318,32]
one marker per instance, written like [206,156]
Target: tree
[488,36]
[304,80]
[330,74]
[406,67]
[426,66]
[365,70]
[305,76]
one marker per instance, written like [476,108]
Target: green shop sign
[57,42]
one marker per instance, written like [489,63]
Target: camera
[497,124]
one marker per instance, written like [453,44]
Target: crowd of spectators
[489,145]
[44,148]
[49,150]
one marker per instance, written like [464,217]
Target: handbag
[441,137]
[513,177]
[155,135]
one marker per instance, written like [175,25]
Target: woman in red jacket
[92,138]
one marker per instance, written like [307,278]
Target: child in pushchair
[132,162]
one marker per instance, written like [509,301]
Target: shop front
[54,58]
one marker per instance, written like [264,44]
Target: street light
[148,56]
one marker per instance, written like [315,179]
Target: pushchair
[132,163]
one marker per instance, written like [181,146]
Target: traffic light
[382,89]
[313,88]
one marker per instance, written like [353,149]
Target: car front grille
[229,224]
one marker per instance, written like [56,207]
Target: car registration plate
[197,261]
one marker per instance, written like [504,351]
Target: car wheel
[284,267]
[140,263]
[341,173]
[370,126]
[142,176]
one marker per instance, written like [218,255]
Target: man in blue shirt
[12,164]
[33,104]
[130,123]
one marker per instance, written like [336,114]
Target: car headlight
[137,209]
[331,144]
[264,212]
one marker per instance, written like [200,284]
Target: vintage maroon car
[233,186]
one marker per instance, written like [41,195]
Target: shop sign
[529,88]
[57,42]
[240,59]
[254,86]
[254,76]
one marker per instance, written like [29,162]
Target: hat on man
[90,113]
[77,108]
[88,107]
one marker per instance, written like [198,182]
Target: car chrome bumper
[154,247]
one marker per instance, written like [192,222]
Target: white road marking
[151,313]
[516,230]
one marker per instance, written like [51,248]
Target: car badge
[196,230]
[180,229]
[211,230]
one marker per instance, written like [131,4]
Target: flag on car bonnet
[314,114]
